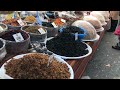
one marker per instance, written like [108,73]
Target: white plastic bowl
[64,57]
[3,74]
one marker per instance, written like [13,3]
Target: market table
[77,65]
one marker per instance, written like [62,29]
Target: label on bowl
[41,30]
[20,22]
[54,25]
[18,37]
[1,29]
[76,36]
[64,21]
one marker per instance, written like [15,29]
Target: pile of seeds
[65,44]
[34,66]
[9,35]
[47,24]
[72,29]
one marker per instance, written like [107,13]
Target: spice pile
[9,35]
[31,19]
[34,66]
[33,29]
[72,29]
[65,44]
[58,22]
[12,22]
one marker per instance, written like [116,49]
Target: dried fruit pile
[12,22]
[34,66]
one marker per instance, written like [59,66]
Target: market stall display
[95,22]
[91,32]
[2,49]
[36,66]
[15,39]
[71,44]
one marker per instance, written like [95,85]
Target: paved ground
[106,61]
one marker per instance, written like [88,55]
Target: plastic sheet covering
[91,32]
[94,21]
[106,14]
[99,16]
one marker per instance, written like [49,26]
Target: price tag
[20,22]
[1,29]
[41,30]
[64,21]
[76,36]
[54,25]
[18,37]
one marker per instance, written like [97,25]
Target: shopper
[114,16]
[117,32]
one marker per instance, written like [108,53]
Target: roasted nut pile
[66,45]
[34,66]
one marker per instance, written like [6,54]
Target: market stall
[78,62]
